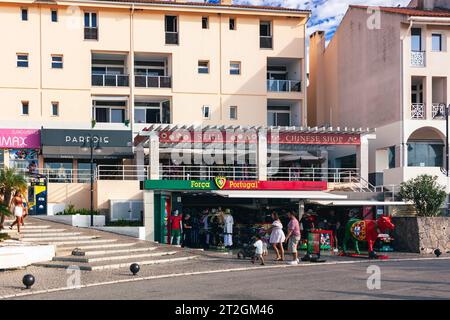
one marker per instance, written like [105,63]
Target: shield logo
[220,182]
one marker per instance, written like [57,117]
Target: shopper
[17,204]
[293,236]
[187,231]
[258,251]
[277,237]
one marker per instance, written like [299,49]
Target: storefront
[67,152]
[210,203]
[19,148]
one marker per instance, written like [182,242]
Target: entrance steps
[112,251]
[58,235]
[53,239]
[131,255]
[97,245]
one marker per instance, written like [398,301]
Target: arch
[426,133]
[426,148]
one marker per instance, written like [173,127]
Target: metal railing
[59,175]
[418,58]
[171,172]
[110,80]
[265,42]
[122,172]
[338,175]
[171,37]
[438,111]
[143,81]
[90,33]
[284,85]
[418,111]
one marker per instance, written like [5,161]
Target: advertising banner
[20,139]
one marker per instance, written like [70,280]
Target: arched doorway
[426,148]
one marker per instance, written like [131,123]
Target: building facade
[387,68]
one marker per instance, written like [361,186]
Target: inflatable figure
[366,230]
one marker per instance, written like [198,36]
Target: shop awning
[278,194]
[359,203]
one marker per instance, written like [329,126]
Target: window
[152,112]
[416,39]
[205,23]
[232,24]
[24,13]
[206,112]
[25,108]
[265,34]
[425,154]
[233,113]
[55,109]
[235,67]
[57,62]
[109,111]
[203,66]
[436,42]
[54,15]
[59,171]
[22,60]
[171,28]
[391,157]
[90,26]
[279,116]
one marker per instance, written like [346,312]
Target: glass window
[140,115]
[425,154]
[117,115]
[235,67]
[203,67]
[265,29]
[171,24]
[59,171]
[232,24]
[233,113]
[22,60]
[205,23]
[55,109]
[416,39]
[206,112]
[24,13]
[102,114]
[22,159]
[54,15]
[25,108]
[436,42]
[391,157]
[84,171]
[90,20]
[57,62]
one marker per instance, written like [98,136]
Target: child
[259,250]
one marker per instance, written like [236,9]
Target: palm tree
[10,182]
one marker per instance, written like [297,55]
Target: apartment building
[387,68]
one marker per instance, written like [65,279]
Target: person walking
[18,209]
[293,236]
[277,237]
[258,250]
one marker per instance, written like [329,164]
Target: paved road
[399,280]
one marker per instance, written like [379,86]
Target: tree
[426,193]
[10,182]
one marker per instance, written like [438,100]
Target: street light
[97,149]
[445,113]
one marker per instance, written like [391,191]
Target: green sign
[180,185]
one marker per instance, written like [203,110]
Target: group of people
[278,238]
[19,209]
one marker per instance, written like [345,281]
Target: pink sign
[20,139]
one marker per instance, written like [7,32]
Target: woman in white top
[277,237]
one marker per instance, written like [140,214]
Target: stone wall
[422,234]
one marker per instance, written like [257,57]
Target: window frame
[441,43]
[232,19]
[19,60]
[200,67]
[54,15]
[24,14]
[204,108]
[239,68]
[25,104]
[235,108]
[90,14]
[205,18]
[421,49]
[53,104]
[109,109]
[55,63]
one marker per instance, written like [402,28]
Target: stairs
[92,250]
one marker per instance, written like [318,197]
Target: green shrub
[70,211]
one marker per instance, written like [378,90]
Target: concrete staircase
[90,250]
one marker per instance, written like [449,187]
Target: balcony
[171,37]
[284,85]
[143,81]
[418,58]
[110,80]
[90,33]
[438,111]
[265,42]
[418,111]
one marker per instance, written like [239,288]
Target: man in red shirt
[293,236]
[175,227]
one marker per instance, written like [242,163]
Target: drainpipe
[131,78]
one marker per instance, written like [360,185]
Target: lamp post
[90,147]
[445,113]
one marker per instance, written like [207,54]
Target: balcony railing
[284,85]
[90,33]
[418,58]
[438,111]
[171,172]
[418,111]
[143,81]
[337,175]
[265,42]
[110,80]
[171,37]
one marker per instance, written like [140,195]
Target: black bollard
[437,252]
[134,268]
[28,280]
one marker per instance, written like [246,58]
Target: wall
[422,234]
[106,190]
[76,194]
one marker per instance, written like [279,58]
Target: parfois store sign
[20,139]
[221,183]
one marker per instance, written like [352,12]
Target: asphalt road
[428,279]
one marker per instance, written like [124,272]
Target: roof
[437,12]
[212,5]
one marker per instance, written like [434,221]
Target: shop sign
[221,183]
[208,136]
[314,138]
[20,139]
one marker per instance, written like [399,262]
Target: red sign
[209,136]
[314,138]
[224,184]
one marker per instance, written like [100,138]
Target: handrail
[152,81]
[110,80]
[283,85]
